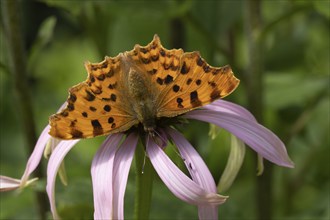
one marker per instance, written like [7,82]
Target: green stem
[144,180]
[255,80]
[11,11]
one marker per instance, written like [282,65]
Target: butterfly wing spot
[76,134]
[206,68]
[111,120]
[176,88]
[97,127]
[144,50]
[97,90]
[84,114]
[89,96]
[152,72]
[227,90]
[101,77]
[155,58]
[184,68]
[70,107]
[168,79]
[72,98]
[107,108]
[112,85]
[104,65]
[73,123]
[215,95]
[64,113]
[113,97]
[198,82]
[200,61]
[189,81]
[212,84]
[179,101]
[91,78]
[166,66]
[160,81]
[162,52]
[110,73]
[92,108]
[145,60]
[216,71]
[195,102]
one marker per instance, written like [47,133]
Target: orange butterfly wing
[112,98]
[184,81]
[196,84]
[96,106]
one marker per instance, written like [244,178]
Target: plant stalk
[144,180]
[11,11]
[255,81]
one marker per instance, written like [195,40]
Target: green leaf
[289,89]
[322,7]
[73,7]
[44,36]
[46,30]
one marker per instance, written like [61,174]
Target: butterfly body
[140,86]
[143,99]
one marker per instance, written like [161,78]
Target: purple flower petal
[7,183]
[225,106]
[262,140]
[122,164]
[54,162]
[177,182]
[102,176]
[195,164]
[36,155]
[198,171]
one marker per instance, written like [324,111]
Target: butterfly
[139,87]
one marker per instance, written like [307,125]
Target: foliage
[295,41]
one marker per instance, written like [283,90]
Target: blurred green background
[279,50]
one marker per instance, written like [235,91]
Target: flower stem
[11,12]
[144,180]
[255,82]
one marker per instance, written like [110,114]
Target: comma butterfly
[140,87]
